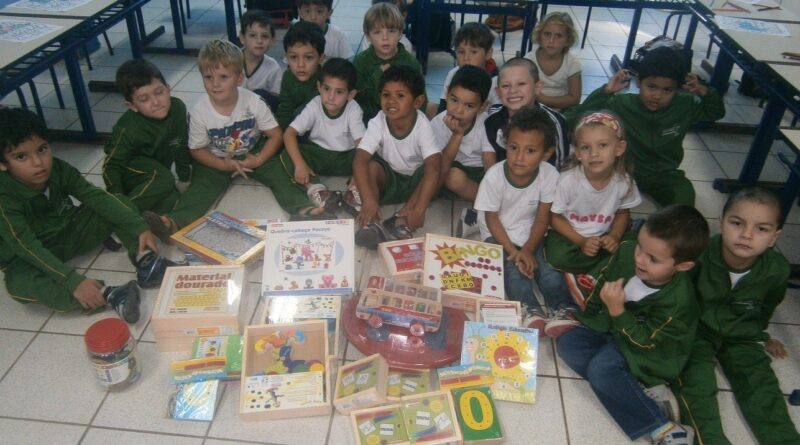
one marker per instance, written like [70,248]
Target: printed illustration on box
[291,308]
[309,257]
[477,415]
[511,352]
[407,382]
[463,266]
[413,306]
[383,425]
[431,418]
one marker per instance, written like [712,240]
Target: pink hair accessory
[602,118]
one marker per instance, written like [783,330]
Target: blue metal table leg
[722,72]
[423,23]
[79,92]
[133,34]
[792,186]
[637,17]
[762,141]
[230,22]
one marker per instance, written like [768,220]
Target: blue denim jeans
[596,357]
[551,282]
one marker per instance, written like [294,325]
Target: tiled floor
[48,394]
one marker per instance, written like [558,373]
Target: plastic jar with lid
[112,351]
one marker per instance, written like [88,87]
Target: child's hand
[619,82]
[455,125]
[609,243]
[237,168]
[148,241]
[693,85]
[414,219]
[613,295]
[370,212]
[775,348]
[302,172]
[524,261]
[89,294]
[591,246]
[250,162]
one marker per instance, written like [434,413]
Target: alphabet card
[309,257]
[463,267]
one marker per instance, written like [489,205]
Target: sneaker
[124,300]
[534,319]
[111,243]
[666,401]
[157,226]
[150,269]
[323,198]
[371,235]
[677,435]
[562,322]
[351,199]
[467,223]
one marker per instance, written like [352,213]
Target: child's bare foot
[161,226]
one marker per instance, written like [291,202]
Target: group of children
[666,304]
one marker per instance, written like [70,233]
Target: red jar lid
[107,335]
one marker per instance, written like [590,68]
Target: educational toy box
[291,308]
[219,238]
[197,301]
[489,310]
[361,384]
[285,372]
[403,259]
[309,257]
[428,418]
[463,267]
[512,353]
[477,416]
[407,382]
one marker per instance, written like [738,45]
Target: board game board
[463,266]
[221,239]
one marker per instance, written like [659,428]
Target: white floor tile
[15,315]
[80,156]
[101,436]
[39,433]
[15,342]
[726,142]
[700,165]
[540,423]
[708,201]
[732,164]
[53,372]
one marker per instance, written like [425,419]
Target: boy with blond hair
[383,26]
[226,128]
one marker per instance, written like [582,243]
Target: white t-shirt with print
[590,211]
[267,76]
[473,144]
[333,133]
[237,133]
[492,99]
[404,153]
[557,84]
[516,206]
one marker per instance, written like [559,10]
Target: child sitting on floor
[590,213]
[262,73]
[397,161]
[514,199]
[740,280]
[473,46]
[639,323]
[305,48]
[333,122]
[319,12]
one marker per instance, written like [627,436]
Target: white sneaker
[467,223]
[562,322]
[665,399]
[677,435]
[534,319]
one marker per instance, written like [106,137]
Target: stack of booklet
[197,301]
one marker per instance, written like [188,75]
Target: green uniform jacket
[31,220]
[294,96]
[368,66]
[654,334]
[654,137]
[744,311]
[135,135]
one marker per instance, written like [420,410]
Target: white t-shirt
[557,84]
[267,76]
[493,97]
[404,153]
[516,206]
[590,211]
[333,133]
[636,290]
[473,144]
[237,133]
[336,44]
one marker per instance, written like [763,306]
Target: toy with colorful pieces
[279,344]
[409,305]
[361,384]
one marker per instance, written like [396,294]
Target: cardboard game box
[309,257]
[464,267]
[361,384]
[291,308]
[403,259]
[512,353]
[219,238]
